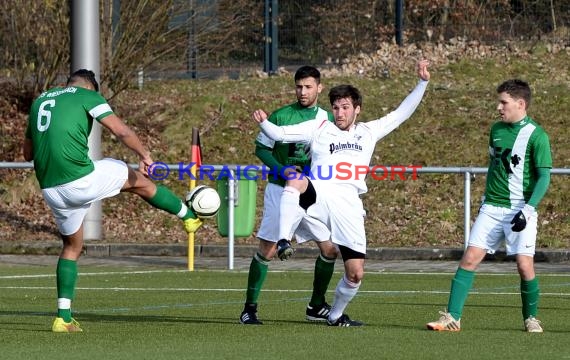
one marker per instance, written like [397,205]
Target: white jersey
[343,156]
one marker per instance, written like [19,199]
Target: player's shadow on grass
[90,317]
[85,316]
[441,305]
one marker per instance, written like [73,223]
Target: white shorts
[70,202]
[340,208]
[309,228]
[493,226]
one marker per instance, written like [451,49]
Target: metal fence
[286,33]
[212,38]
[467,172]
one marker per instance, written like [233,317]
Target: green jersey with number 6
[290,154]
[59,125]
[516,151]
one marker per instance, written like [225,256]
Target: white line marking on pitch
[93,274]
[380,273]
[395,292]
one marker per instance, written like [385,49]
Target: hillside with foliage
[450,128]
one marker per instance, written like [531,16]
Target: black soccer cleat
[284,249]
[318,313]
[249,315]
[345,321]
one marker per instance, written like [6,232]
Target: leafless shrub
[35,41]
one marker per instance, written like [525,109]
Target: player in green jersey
[517,180]
[56,139]
[282,158]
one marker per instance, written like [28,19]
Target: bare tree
[138,38]
[163,35]
[135,34]
[150,32]
[35,41]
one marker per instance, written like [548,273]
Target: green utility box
[245,192]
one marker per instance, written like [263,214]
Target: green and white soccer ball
[204,201]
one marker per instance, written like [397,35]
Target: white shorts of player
[340,208]
[70,202]
[309,228]
[493,226]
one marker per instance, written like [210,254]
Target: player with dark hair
[282,159]
[56,139]
[517,180]
[335,201]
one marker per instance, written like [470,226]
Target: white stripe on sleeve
[100,110]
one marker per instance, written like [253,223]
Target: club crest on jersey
[344,146]
[515,160]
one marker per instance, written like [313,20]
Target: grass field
[150,313]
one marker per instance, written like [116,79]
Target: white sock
[63,303]
[183,211]
[290,212]
[344,292]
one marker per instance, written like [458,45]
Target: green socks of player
[256,278]
[324,268]
[529,295]
[460,286]
[463,280]
[66,275]
[166,200]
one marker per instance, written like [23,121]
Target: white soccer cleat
[445,323]
[532,325]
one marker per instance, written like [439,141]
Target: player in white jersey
[340,158]
[285,157]
[517,180]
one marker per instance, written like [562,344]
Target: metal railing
[467,172]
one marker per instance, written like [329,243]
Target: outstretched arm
[390,122]
[422,69]
[301,133]
[264,148]
[130,139]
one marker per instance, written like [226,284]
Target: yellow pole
[192,185]
[196,158]
[191,252]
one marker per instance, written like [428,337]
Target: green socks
[256,278]
[460,286]
[530,294]
[463,280]
[66,277]
[166,200]
[324,268]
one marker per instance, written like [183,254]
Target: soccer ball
[204,201]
